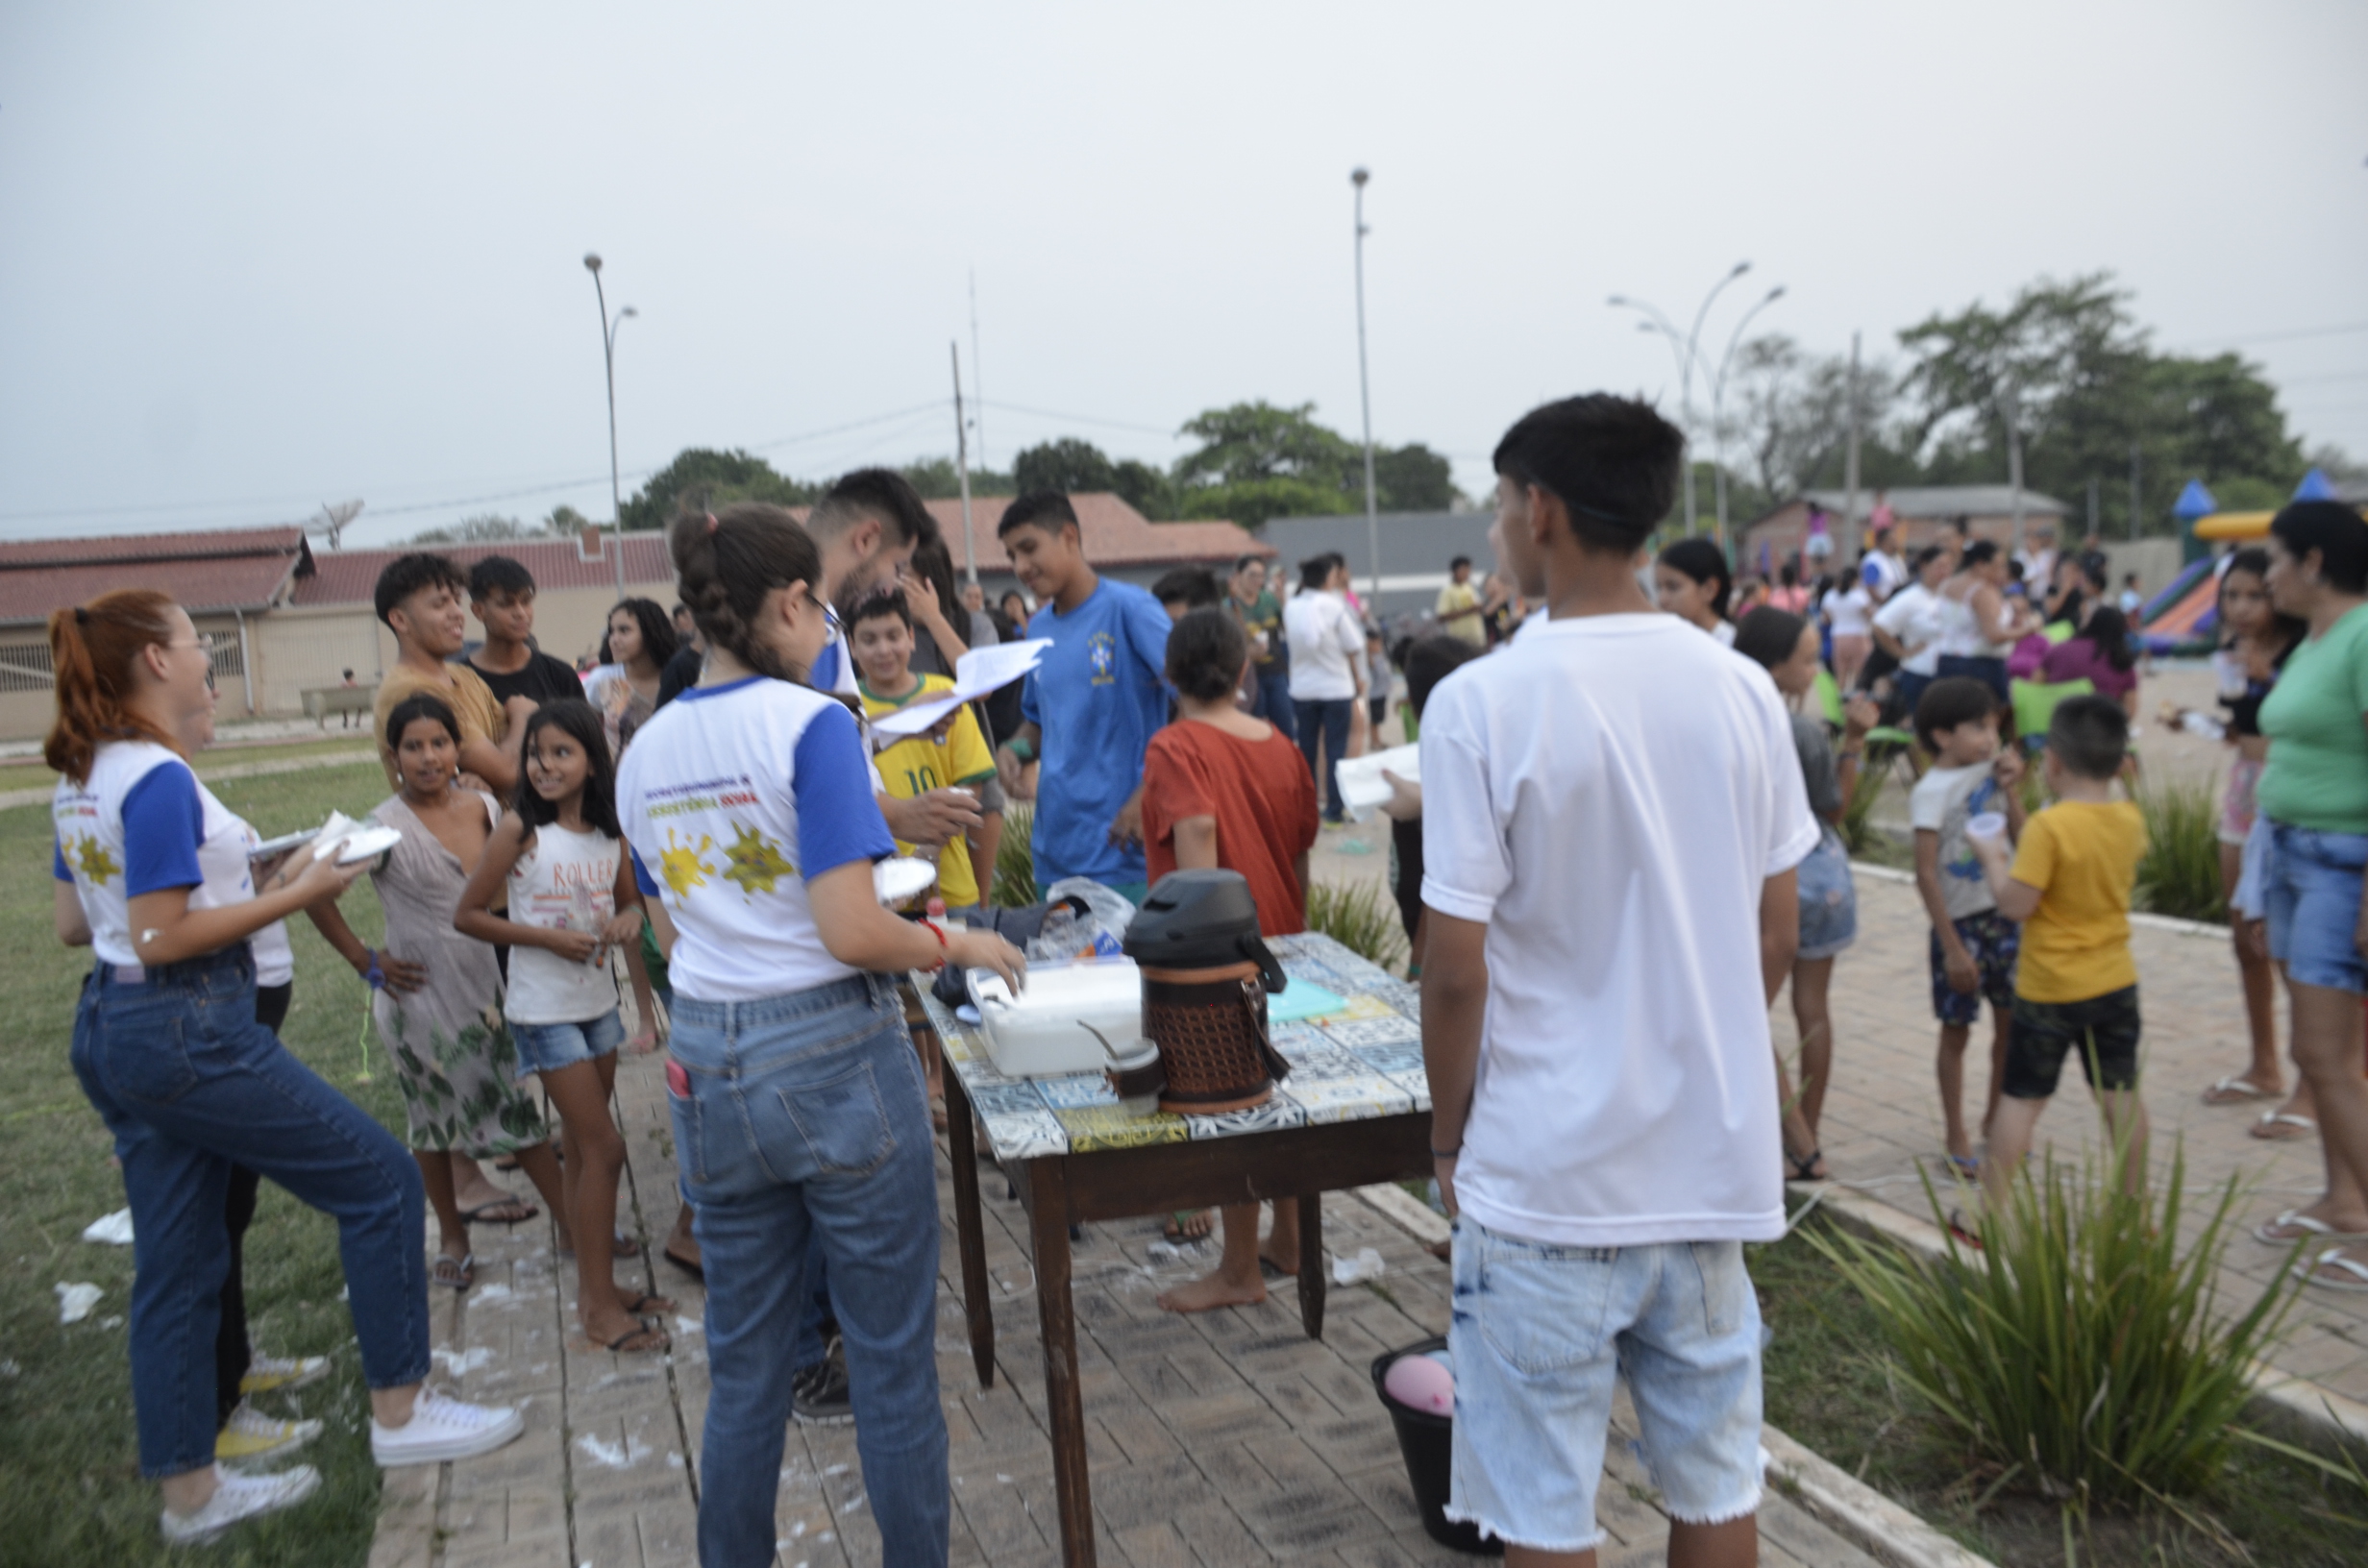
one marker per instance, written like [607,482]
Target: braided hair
[727,563]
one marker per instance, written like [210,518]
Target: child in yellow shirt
[952,756]
[2076,987]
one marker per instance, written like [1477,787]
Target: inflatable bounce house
[2184,618]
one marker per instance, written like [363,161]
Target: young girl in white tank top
[572,900]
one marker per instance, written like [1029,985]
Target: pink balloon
[1420,1383]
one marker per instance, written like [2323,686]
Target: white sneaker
[240,1496]
[266,1373]
[444,1428]
[251,1434]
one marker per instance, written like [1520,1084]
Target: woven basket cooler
[1211,1028]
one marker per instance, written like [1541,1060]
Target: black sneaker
[817,1394]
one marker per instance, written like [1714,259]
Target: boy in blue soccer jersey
[1091,707]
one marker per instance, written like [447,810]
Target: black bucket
[1428,1442]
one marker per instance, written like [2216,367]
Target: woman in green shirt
[2314,798]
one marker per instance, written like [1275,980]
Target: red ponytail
[93,648]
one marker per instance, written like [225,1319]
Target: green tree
[937,479]
[1067,465]
[486,527]
[1253,502]
[703,477]
[565,521]
[1259,441]
[1149,490]
[1411,479]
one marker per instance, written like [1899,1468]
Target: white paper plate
[894,881]
[368,844]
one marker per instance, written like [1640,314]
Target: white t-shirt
[1849,612]
[733,796]
[1882,574]
[1324,637]
[1944,800]
[565,881]
[1614,839]
[145,823]
[1907,615]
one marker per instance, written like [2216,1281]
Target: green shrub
[2079,1349]
[1015,859]
[2181,873]
[1859,833]
[1361,917]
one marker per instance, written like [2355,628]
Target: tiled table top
[1365,1061]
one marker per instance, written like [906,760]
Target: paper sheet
[1361,785]
[976,675]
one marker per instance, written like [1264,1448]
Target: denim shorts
[546,1048]
[1994,942]
[2310,897]
[1829,899]
[1539,1333]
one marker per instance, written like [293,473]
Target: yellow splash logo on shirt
[681,866]
[95,862]
[756,862]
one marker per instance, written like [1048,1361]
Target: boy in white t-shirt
[1973,946]
[1604,1103]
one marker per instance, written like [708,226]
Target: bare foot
[1189,1225]
[1281,1261]
[1211,1291]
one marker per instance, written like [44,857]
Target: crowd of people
[690,829]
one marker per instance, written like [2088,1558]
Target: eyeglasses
[204,644]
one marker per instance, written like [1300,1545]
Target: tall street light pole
[1719,403]
[1688,357]
[1365,392]
[608,358]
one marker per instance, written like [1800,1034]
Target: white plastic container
[1042,1032]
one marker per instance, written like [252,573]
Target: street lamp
[1365,392]
[1687,358]
[1719,402]
[608,358]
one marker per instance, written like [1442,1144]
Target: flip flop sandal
[646,1305]
[694,1268]
[455,1274]
[2348,1273]
[1965,1166]
[1963,1229]
[2303,1227]
[1174,1230]
[1804,1166]
[623,1344]
[2268,1128]
[512,1212]
[2236,1090]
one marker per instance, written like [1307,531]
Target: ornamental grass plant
[1361,917]
[2181,873]
[2082,1347]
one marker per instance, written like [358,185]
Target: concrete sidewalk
[1225,1440]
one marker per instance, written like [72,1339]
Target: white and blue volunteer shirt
[143,824]
[1098,697]
[835,667]
[731,798]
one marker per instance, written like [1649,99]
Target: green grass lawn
[70,1490]
[1827,1386]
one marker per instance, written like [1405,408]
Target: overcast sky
[254,258]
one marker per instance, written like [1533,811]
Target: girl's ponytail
[726,562]
[93,649]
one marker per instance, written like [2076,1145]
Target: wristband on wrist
[1447,1154]
[945,948]
[1022,748]
[372,975]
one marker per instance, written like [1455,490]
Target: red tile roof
[248,569]
[1116,535]
[348,577]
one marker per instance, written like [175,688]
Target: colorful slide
[2184,615]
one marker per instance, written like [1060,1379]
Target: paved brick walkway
[1225,1440]
[1883,1116]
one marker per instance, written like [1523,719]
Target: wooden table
[1354,1111]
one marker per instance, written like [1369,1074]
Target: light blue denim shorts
[1829,899]
[1539,1333]
[2310,897]
[546,1048]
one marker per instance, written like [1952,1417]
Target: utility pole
[2092,508]
[978,385]
[2134,501]
[2012,406]
[1850,460]
[962,466]
[1365,392]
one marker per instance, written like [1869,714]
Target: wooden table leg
[969,1235]
[1311,1265]
[1064,1401]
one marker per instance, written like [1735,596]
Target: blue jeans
[192,1086]
[1326,721]
[2311,899]
[805,1125]
[1275,704]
